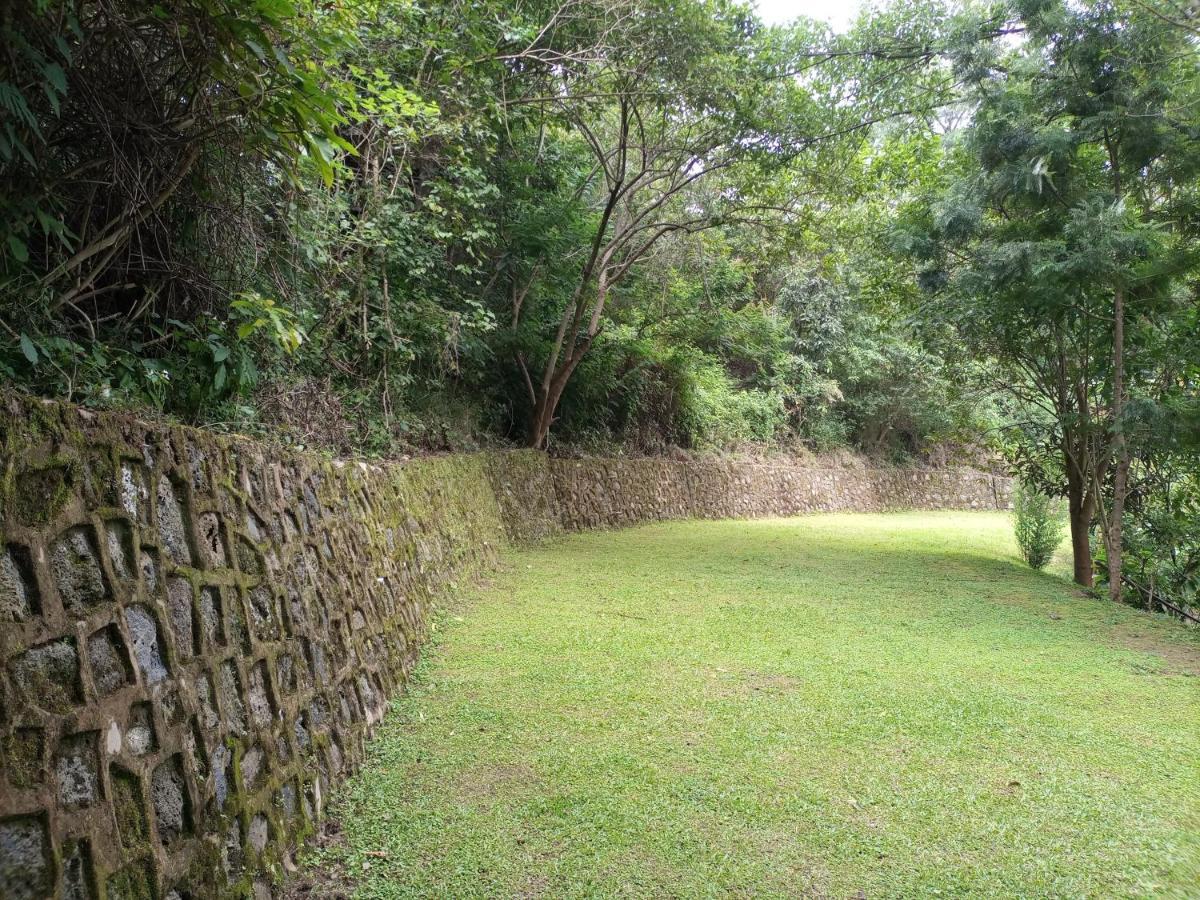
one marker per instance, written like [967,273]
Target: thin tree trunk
[554,380]
[1113,533]
[1119,446]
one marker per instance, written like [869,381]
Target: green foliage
[1059,241]
[205,366]
[1162,544]
[148,96]
[366,219]
[262,315]
[1037,524]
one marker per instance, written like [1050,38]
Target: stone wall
[197,633]
[605,493]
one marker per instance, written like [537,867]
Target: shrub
[1038,524]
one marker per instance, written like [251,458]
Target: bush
[1038,524]
[715,411]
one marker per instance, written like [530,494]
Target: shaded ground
[879,706]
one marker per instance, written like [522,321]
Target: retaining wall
[197,633]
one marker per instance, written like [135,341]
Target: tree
[1062,225]
[682,93]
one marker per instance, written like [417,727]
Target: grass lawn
[840,705]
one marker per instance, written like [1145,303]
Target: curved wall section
[198,633]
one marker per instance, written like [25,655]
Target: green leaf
[17,246]
[56,76]
[28,348]
[64,49]
[50,225]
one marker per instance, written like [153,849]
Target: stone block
[206,694]
[109,660]
[212,541]
[147,648]
[48,674]
[286,800]
[235,622]
[232,705]
[258,833]
[134,491]
[193,743]
[262,709]
[251,768]
[250,559]
[264,623]
[134,881]
[78,877]
[220,762]
[19,597]
[149,565]
[140,738]
[23,760]
[232,856]
[26,867]
[77,770]
[172,532]
[129,808]
[181,616]
[197,467]
[78,574]
[119,538]
[211,628]
[169,797]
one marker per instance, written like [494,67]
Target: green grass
[890,704]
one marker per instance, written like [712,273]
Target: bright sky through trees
[837,13]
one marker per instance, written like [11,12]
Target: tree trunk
[554,381]
[1081,505]
[1113,533]
[539,425]
[547,404]
[1081,547]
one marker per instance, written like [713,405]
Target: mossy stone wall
[198,633]
[196,636]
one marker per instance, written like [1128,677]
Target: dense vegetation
[378,225]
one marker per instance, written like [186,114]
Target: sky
[837,13]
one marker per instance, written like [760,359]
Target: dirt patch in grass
[485,784]
[323,882]
[768,683]
[725,683]
[1178,658]
[535,886]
